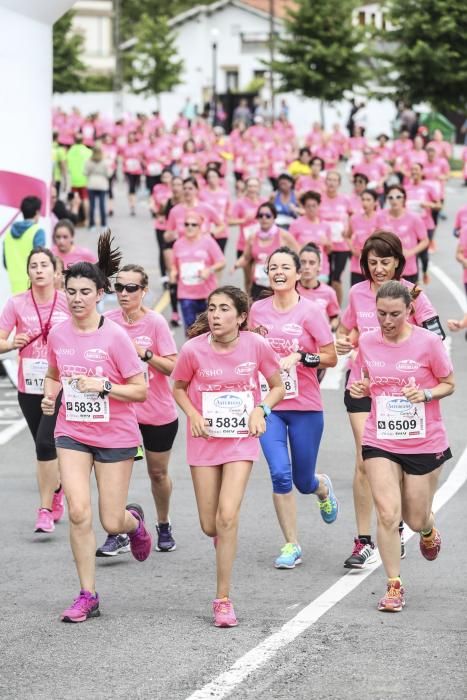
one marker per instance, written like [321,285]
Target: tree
[320,56]
[427,61]
[152,66]
[68,69]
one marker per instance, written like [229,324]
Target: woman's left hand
[413,394]
[257,422]
[89,384]
[290,361]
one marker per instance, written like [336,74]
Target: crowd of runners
[99,388]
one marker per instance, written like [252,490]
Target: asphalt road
[154,639]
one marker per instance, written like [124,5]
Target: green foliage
[321,55]
[152,66]
[68,70]
[99,82]
[427,60]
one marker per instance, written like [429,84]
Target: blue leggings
[304,430]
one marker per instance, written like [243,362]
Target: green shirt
[76,159]
[58,157]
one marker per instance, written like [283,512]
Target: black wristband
[310,359]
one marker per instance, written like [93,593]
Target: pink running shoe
[58,507]
[430,546]
[45,521]
[224,614]
[84,606]
[141,539]
[394,600]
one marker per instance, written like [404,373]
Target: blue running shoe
[114,544]
[328,506]
[290,556]
[165,540]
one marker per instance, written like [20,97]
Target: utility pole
[272,41]
[118,76]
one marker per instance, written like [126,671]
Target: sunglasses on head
[264,215]
[130,288]
[191,224]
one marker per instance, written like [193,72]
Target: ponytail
[108,263]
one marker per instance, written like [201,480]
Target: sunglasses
[130,288]
[264,215]
[395,196]
[191,224]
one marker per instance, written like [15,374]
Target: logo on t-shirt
[96,355]
[69,352]
[292,329]
[209,372]
[407,366]
[143,340]
[245,368]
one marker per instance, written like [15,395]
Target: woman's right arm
[52,387]
[344,343]
[6,344]
[197,422]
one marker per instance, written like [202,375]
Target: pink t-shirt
[77,254]
[152,332]
[361,228]
[421,359]
[461,218]
[433,172]
[219,200]
[324,296]
[107,352]
[336,210]
[132,159]
[19,313]
[245,208]
[190,257]
[409,228]
[304,328]
[360,313]
[424,192]
[463,243]
[306,183]
[236,371]
[305,231]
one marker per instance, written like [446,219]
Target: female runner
[382,260]
[298,331]
[97,366]
[312,288]
[157,416]
[32,314]
[267,238]
[217,386]
[406,371]
[360,228]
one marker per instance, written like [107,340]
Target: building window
[361,19]
[231,79]
[261,74]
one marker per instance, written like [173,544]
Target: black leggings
[160,243]
[41,427]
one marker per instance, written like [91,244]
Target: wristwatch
[106,389]
[428,395]
[266,409]
[148,355]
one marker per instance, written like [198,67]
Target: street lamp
[214,38]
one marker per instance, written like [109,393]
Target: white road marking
[224,684]
[9,433]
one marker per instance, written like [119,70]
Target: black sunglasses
[191,224]
[264,215]
[130,288]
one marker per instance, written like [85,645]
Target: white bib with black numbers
[398,419]
[227,413]
[86,407]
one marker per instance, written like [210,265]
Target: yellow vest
[16,252]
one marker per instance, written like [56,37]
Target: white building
[93,21]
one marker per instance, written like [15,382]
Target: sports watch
[148,355]
[106,389]
[266,409]
[428,395]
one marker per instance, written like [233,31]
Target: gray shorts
[100,454]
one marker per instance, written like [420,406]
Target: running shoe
[224,613]
[401,535]
[141,539]
[430,546]
[175,320]
[363,553]
[58,507]
[165,541]
[84,606]
[114,544]
[394,600]
[45,521]
[328,506]
[290,556]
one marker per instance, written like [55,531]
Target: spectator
[76,160]
[20,239]
[96,171]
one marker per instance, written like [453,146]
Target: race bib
[227,413]
[84,407]
[34,372]
[337,230]
[132,164]
[289,380]
[249,230]
[154,168]
[189,272]
[260,275]
[398,419]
